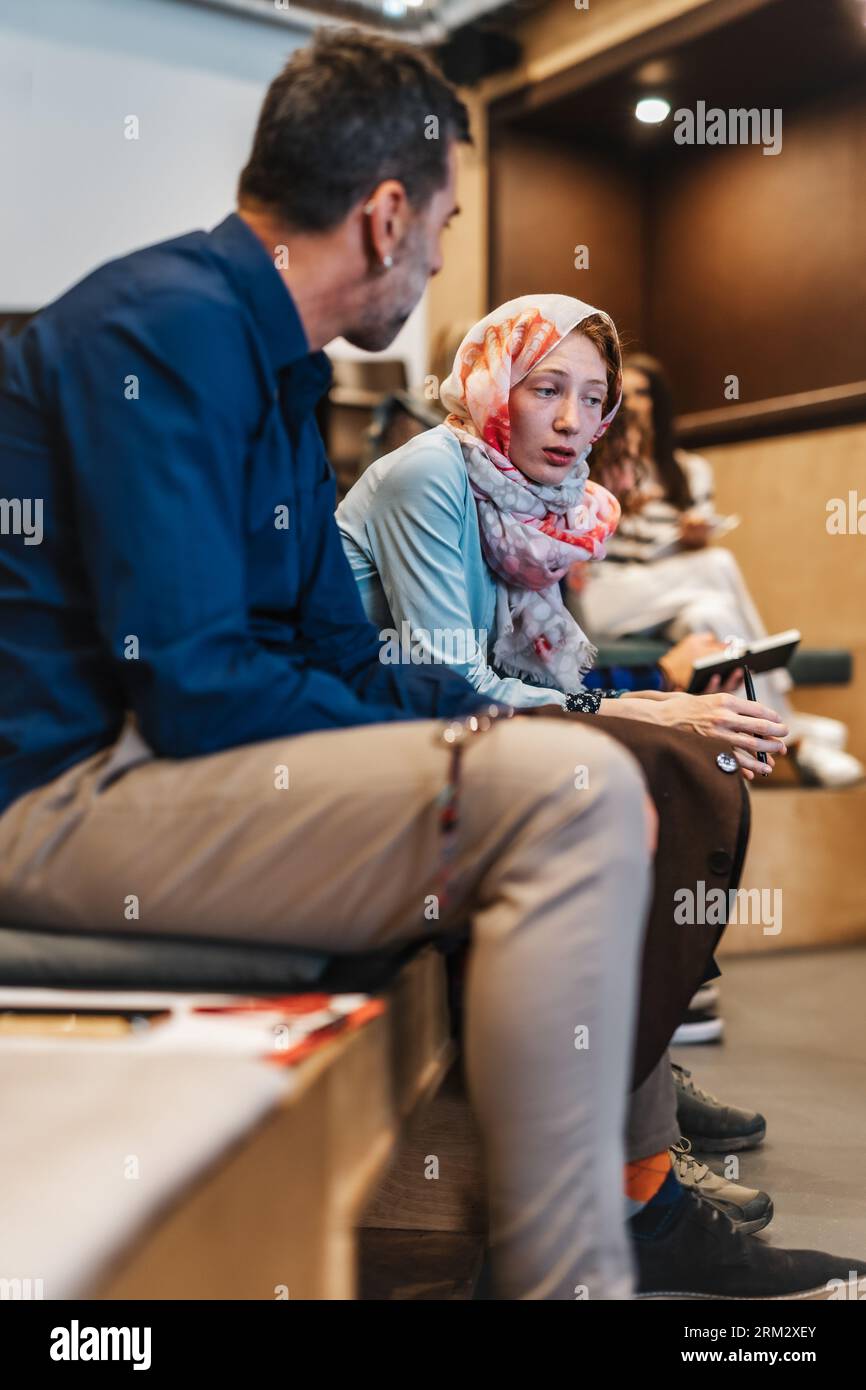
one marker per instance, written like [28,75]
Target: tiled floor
[795,1048]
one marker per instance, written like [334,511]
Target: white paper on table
[252,1033]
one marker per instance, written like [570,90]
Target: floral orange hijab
[531,533]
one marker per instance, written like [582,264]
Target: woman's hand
[749,727]
[750,764]
[678,662]
[694,531]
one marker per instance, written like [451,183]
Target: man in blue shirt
[162,414]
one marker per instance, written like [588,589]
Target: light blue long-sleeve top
[410,530]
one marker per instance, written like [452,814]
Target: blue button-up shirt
[167,542]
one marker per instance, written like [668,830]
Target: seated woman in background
[468,528]
[662,574]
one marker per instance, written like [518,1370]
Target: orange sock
[644,1178]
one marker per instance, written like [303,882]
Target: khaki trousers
[331,841]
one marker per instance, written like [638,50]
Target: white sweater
[654,530]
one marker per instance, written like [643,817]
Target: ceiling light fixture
[652,110]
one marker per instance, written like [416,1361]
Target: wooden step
[277,1217]
[810,845]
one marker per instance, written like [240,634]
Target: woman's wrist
[631,706]
[650,694]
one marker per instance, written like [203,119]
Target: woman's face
[556,410]
[634,444]
[637,396]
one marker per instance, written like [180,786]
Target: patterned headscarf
[531,533]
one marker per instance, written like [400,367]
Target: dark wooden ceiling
[786,53]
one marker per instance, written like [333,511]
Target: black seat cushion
[822,666]
[809,665]
[63,959]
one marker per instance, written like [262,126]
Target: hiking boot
[747,1208]
[712,1126]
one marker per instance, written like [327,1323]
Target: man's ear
[386,214]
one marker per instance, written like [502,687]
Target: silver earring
[387,261]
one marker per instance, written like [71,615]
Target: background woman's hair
[671,476]
[602,334]
[346,112]
[612,452]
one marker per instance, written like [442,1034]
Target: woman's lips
[559,455]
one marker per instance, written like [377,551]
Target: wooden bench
[807,842]
[252,1178]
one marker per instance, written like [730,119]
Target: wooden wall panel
[799,574]
[719,260]
[758,263]
[548,196]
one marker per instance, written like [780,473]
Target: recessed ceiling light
[655,73]
[652,110]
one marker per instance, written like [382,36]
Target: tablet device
[764,654]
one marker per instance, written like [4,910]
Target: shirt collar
[259,282]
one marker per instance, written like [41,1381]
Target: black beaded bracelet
[583,702]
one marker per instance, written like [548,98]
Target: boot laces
[683,1150]
[688,1085]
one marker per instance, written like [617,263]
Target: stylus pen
[750,695]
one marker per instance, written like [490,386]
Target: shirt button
[720,861]
[727,762]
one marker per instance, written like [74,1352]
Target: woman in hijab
[468,529]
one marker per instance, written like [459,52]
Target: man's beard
[375,333]
[380,321]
